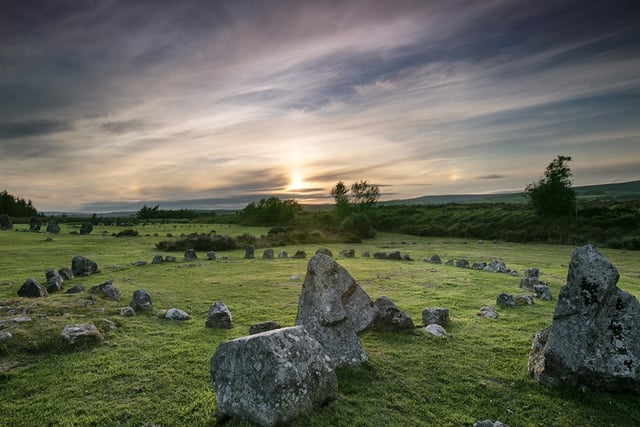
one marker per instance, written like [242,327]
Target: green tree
[16,206]
[364,195]
[340,194]
[553,194]
[271,211]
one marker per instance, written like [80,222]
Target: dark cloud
[125,126]
[12,130]
[494,176]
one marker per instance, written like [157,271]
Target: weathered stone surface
[5,222]
[594,339]
[435,315]
[462,263]
[272,377]
[32,289]
[395,255]
[126,311]
[435,330]
[257,328]
[106,290]
[299,255]
[283,254]
[176,314]
[82,333]
[34,224]
[435,259]
[389,317]
[53,227]
[478,265]
[325,251]
[157,259]
[496,266]
[54,283]
[219,316]
[380,255]
[141,300]
[86,228]
[268,254]
[139,263]
[334,308]
[81,266]
[5,335]
[75,289]
[542,292]
[366,254]
[66,273]
[190,255]
[530,278]
[487,312]
[523,300]
[170,258]
[249,252]
[505,300]
[348,253]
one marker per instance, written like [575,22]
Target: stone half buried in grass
[272,377]
[82,334]
[594,339]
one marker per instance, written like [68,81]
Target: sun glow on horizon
[297,183]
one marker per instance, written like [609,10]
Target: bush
[359,224]
[199,242]
[128,233]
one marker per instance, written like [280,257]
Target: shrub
[199,242]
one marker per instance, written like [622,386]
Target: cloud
[494,176]
[35,127]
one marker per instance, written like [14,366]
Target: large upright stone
[5,222]
[249,252]
[272,377]
[32,289]
[219,316]
[81,266]
[190,255]
[86,228]
[530,278]
[53,227]
[334,309]
[594,339]
[141,300]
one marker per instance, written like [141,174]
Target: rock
[380,255]
[435,315]
[83,333]
[299,255]
[542,292]
[109,324]
[53,227]
[139,263]
[176,314]
[462,263]
[435,330]
[32,289]
[5,335]
[257,328]
[219,316]
[325,251]
[406,257]
[496,266]
[81,266]
[334,309]
[75,289]
[272,377]
[141,300]
[34,224]
[487,312]
[126,311]
[106,290]
[348,253]
[268,254]
[366,254]
[489,423]
[5,222]
[478,265]
[294,277]
[594,338]
[505,300]
[66,273]
[86,228]
[389,317]
[523,300]
[157,259]
[449,262]
[435,259]
[190,255]
[249,252]
[395,255]
[54,283]
[283,254]
[530,278]
[170,258]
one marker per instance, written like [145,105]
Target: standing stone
[395,255]
[530,278]
[157,259]
[249,252]
[594,338]
[435,315]
[334,309]
[34,224]
[542,291]
[141,300]
[106,290]
[54,283]
[272,377]
[66,273]
[268,254]
[53,227]
[32,289]
[283,254]
[505,300]
[325,251]
[478,265]
[5,222]
[496,266]
[389,317]
[299,255]
[86,228]
[170,258]
[348,253]
[75,289]
[462,263]
[435,259]
[219,316]
[211,256]
[81,266]
[190,255]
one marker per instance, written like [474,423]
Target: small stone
[176,314]
[157,259]
[257,328]
[487,312]
[211,256]
[83,333]
[435,315]
[126,311]
[435,330]
[219,316]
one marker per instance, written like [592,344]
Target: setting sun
[296,183]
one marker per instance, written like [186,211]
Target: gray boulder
[478,265]
[283,254]
[157,259]
[334,309]
[530,278]
[86,228]
[34,224]
[81,266]
[462,263]
[488,312]
[141,300]
[53,227]
[257,328]
[435,259]
[505,300]
[348,253]
[523,300]
[325,251]
[170,258]
[272,377]
[380,255]
[542,292]
[83,333]
[435,330]
[219,316]
[366,254]
[54,283]
[66,273]
[32,289]
[126,311]
[268,254]
[435,315]
[106,290]
[249,252]
[496,266]
[212,256]
[5,335]
[176,314]
[389,317]
[75,289]
[299,255]
[190,255]
[395,255]
[594,338]
[139,263]
[489,423]
[5,222]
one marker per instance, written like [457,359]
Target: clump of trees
[271,211]
[16,206]
[353,206]
[553,195]
[147,213]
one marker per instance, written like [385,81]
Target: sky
[111,105]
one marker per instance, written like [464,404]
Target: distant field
[156,372]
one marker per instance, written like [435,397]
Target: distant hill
[619,191]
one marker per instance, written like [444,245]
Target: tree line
[16,206]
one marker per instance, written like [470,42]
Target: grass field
[156,372]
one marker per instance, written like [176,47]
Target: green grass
[155,372]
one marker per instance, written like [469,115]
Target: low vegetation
[151,371]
